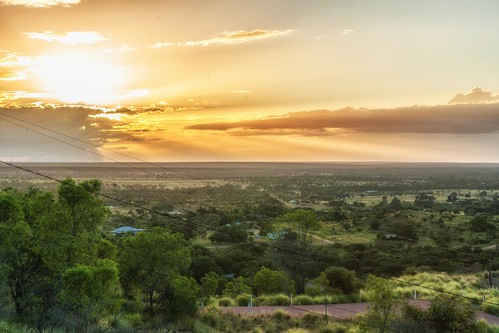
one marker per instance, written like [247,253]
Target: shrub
[279,299]
[312,289]
[243,300]
[303,300]
[334,329]
[200,327]
[339,299]
[211,317]
[311,320]
[225,301]
[281,315]
[134,319]
[490,308]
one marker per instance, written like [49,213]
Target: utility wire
[97,146]
[215,229]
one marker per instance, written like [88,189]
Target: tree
[481,223]
[424,200]
[446,314]
[302,222]
[179,297]
[405,230]
[236,287]
[150,261]
[42,237]
[396,203]
[296,247]
[340,279]
[89,293]
[383,303]
[209,285]
[232,233]
[268,281]
[451,315]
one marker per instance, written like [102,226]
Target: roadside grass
[461,285]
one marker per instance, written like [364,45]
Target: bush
[212,317]
[242,300]
[225,301]
[334,329]
[200,327]
[134,319]
[490,308]
[303,300]
[279,299]
[281,315]
[311,320]
[312,289]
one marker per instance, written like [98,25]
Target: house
[126,230]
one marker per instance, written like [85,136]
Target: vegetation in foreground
[61,267]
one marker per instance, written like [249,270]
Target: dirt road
[341,311]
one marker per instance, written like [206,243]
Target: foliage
[383,303]
[209,284]
[236,287]
[339,279]
[446,314]
[268,281]
[90,293]
[151,262]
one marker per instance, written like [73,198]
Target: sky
[261,80]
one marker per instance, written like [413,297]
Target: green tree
[294,250]
[446,314]
[340,279]
[149,262]
[90,293]
[424,200]
[302,222]
[209,284]
[178,298]
[41,238]
[383,304]
[267,281]
[481,223]
[236,287]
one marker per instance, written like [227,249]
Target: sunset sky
[231,80]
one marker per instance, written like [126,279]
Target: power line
[215,229]
[97,146]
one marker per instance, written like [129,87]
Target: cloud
[241,91]
[347,32]
[232,37]
[123,48]
[476,96]
[69,38]
[39,3]
[14,66]
[6,75]
[444,119]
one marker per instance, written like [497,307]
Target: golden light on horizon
[80,78]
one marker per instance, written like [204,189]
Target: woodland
[205,239]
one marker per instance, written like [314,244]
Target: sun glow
[80,78]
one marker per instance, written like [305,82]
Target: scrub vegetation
[249,235]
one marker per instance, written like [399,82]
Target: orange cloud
[232,37]
[39,3]
[448,119]
[69,38]
[476,96]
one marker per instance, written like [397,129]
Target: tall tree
[90,293]
[383,304]
[294,245]
[151,261]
